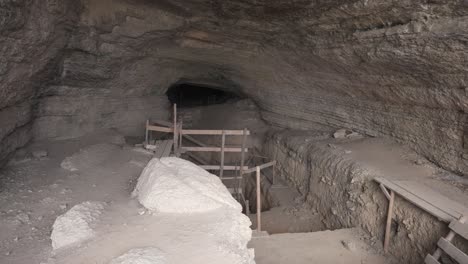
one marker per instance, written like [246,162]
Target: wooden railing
[180,134]
[258,182]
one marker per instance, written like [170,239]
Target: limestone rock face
[382,68]
[33,34]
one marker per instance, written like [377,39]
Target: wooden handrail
[212,149]
[263,166]
[213,132]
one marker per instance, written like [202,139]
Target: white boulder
[74,226]
[173,185]
[148,255]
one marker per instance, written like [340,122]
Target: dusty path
[343,246]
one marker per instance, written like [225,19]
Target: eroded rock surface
[382,68]
[33,35]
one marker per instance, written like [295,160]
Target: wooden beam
[449,237]
[263,166]
[176,139]
[211,149]
[460,228]
[426,206]
[453,251]
[162,123]
[388,227]
[146,134]
[259,200]
[217,167]
[160,129]
[244,141]
[431,260]
[223,142]
[213,132]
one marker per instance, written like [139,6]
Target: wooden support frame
[388,226]
[263,166]
[445,245]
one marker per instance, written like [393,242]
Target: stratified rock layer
[383,68]
[33,35]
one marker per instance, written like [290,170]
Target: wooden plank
[160,129]
[176,139]
[263,166]
[460,228]
[433,197]
[163,148]
[146,133]
[168,147]
[162,123]
[259,200]
[388,225]
[211,149]
[213,132]
[424,205]
[180,136]
[230,178]
[223,142]
[217,167]
[431,260]
[244,141]
[453,251]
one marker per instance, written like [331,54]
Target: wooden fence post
[389,221]
[176,139]
[223,142]
[259,202]
[146,134]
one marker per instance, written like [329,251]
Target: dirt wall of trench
[344,194]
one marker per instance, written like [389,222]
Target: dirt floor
[289,214]
[345,246]
[35,189]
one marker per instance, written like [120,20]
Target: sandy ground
[290,213]
[345,246]
[396,162]
[35,191]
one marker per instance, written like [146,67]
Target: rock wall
[384,68]
[33,34]
[342,191]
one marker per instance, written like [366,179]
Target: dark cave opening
[187,95]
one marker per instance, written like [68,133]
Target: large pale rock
[75,226]
[149,255]
[173,185]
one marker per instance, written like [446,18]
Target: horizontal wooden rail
[217,167]
[212,149]
[196,131]
[160,129]
[261,167]
[214,132]
[162,123]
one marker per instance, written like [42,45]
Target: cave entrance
[188,95]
